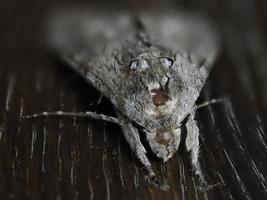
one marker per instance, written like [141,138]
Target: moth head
[164,142]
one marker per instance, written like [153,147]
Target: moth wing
[82,30]
[183,33]
[87,40]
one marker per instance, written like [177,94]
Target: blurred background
[71,158]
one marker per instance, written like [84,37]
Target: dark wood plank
[71,158]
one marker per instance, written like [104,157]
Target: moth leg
[192,145]
[131,135]
[213,101]
[88,114]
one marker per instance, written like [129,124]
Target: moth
[150,66]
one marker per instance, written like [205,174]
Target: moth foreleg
[192,145]
[88,114]
[131,135]
[213,101]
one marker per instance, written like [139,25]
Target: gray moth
[151,66]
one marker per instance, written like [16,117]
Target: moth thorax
[164,136]
[159,97]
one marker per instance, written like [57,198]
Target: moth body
[153,75]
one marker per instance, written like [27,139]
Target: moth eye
[134,64]
[166,62]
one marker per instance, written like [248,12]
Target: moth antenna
[141,32]
[143,37]
[91,115]
[213,101]
[139,25]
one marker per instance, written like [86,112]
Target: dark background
[74,158]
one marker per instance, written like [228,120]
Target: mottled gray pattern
[151,67]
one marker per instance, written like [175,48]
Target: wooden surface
[68,158]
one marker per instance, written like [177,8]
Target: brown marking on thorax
[159,97]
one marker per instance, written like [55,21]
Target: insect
[152,67]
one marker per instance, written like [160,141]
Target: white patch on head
[164,80]
[143,64]
[153,86]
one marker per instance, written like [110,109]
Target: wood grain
[75,158]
